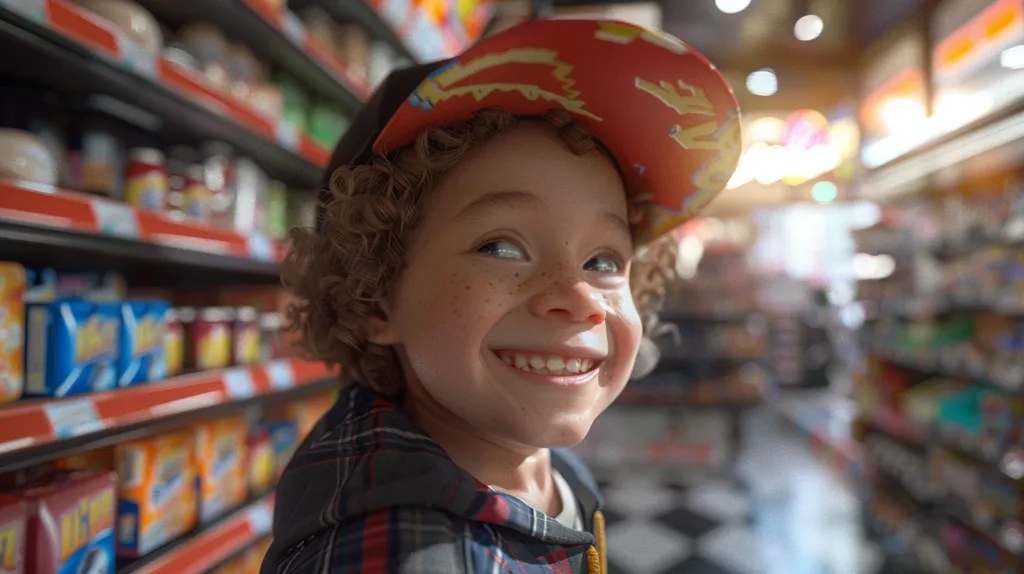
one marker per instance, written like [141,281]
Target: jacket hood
[367,455]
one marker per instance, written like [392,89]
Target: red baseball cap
[664,112]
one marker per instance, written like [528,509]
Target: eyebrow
[504,200]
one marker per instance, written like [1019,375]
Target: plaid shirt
[370,493]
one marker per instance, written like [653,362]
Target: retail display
[941,394]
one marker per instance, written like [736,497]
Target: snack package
[157,501]
[284,439]
[142,354]
[261,465]
[307,412]
[13,534]
[71,524]
[12,331]
[221,459]
[71,347]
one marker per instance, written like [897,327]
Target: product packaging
[221,458]
[146,181]
[71,347]
[174,343]
[71,524]
[157,501]
[13,534]
[261,465]
[208,339]
[12,331]
[246,336]
[143,330]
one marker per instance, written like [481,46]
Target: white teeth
[549,365]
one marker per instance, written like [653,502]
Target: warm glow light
[732,6]
[866,266]
[763,82]
[808,28]
[824,192]
[1013,57]
[766,129]
[899,114]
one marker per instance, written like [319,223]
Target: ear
[381,330]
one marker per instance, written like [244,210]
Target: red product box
[13,533]
[71,523]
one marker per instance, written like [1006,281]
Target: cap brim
[665,113]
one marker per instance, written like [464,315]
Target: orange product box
[12,331]
[157,498]
[13,534]
[261,463]
[307,412]
[221,447]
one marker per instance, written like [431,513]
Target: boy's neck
[523,472]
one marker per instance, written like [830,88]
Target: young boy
[471,273]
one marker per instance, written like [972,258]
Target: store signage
[970,39]
[796,149]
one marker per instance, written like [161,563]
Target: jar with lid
[246,336]
[271,345]
[146,179]
[196,195]
[209,339]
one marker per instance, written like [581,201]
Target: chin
[555,434]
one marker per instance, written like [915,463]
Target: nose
[568,298]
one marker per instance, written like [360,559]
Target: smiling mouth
[554,365]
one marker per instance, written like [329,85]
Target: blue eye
[502,250]
[602,264]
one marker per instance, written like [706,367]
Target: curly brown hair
[343,272]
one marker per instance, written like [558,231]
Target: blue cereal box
[71,347]
[71,524]
[142,353]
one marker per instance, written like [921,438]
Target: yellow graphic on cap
[711,135]
[438,87]
[622,33]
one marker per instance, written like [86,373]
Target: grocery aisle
[781,512]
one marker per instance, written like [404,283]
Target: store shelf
[48,226]
[34,430]
[276,36]
[986,145]
[205,549]
[65,48]
[361,12]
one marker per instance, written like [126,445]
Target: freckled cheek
[623,321]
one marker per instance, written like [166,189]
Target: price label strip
[261,518]
[136,58]
[34,9]
[116,219]
[260,247]
[288,136]
[293,28]
[73,418]
[281,375]
[239,384]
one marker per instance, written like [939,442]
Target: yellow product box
[12,331]
[307,412]
[157,496]
[221,447]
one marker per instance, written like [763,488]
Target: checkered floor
[779,513]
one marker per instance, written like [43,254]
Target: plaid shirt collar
[367,455]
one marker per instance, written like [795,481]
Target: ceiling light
[824,192]
[732,6]
[1013,57]
[808,28]
[763,82]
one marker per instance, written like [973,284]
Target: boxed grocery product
[307,412]
[141,357]
[71,347]
[157,500]
[12,329]
[93,460]
[262,467]
[174,343]
[71,524]
[13,534]
[220,460]
[284,439]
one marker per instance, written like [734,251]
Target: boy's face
[514,311]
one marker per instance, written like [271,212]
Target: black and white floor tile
[780,512]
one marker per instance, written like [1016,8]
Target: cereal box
[12,331]
[71,347]
[261,464]
[13,534]
[157,499]
[71,524]
[141,356]
[221,460]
